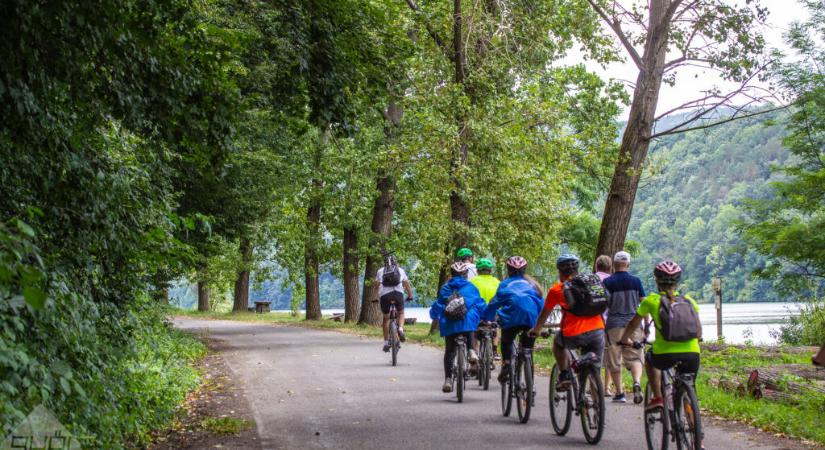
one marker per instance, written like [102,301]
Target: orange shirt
[571,324]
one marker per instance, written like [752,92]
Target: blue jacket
[475,306]
[517,302]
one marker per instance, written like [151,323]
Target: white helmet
[460,267]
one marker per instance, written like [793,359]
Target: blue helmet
[567,263]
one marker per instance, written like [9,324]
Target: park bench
[262,307]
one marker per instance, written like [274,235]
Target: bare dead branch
[735,116]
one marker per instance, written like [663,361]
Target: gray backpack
[679,319]
[456,308]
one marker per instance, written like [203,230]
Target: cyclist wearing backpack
[487,286]
[390,283]
[466,256]
[582,326]
[458,310]
[518,304]
[678,329]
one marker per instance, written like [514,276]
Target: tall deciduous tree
[660,37]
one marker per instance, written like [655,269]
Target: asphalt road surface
[326,389]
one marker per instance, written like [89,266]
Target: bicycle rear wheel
[592,407]
[394,341]
[561,405]
[507,392]
[655,433]
[461,358]
[524,389]
[487,361]
[689,422]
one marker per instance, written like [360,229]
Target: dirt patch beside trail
[217,401]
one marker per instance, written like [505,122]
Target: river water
[741,322]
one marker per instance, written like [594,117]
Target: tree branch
[678,129]
[617,30]
[430,30]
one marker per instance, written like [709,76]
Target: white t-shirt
[471,271]
[384,289]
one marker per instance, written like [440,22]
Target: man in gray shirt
[626,292]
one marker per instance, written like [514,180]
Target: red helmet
[516,262]
[667,272]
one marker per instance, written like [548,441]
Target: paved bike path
[326,389]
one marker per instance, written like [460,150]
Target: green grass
[225,426]
[804,419]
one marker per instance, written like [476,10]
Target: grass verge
[802,419]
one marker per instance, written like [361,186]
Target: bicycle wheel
[592,406]
[487,369]
[561,405]
[688,426]
[655,432]
[507,392]
[524,389]
[461,358]
[394,341]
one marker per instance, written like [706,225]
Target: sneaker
[386,347]
[637,393]
[401,336]
[654,404]
[448,385]
[504,374]
[473,356]
[496,357]
[565,380]
[619,398]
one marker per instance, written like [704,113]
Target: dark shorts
[688,362]
[390,297]
[592,341]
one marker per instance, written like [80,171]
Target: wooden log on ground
[337,317]
[819,358]
[410,320]
[775,396]
[775,379]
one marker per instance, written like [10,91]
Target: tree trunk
[241,300]
[311,266]
[459,211]
[350,262]
[381,228]
[203,296]
[636,139]
[443,275]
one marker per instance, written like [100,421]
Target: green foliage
[225,426]
[807,328]
[687,207]
[786,225]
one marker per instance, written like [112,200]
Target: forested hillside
[688,206]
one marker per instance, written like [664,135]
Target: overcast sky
[688,85]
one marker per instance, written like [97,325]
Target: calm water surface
[740,321]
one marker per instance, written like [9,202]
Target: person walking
[604,268]
[626,293]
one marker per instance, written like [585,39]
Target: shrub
[808,328]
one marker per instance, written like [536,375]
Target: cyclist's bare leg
[655,380]
[561,356]
[401,320]
[386,327]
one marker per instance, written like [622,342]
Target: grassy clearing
[803,419]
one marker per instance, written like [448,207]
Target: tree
[787,226]
[660,39]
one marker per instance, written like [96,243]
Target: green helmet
[484,263]
[464,253]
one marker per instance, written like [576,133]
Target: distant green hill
[686,207]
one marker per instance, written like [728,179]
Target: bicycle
[679,415]
[519,384]
[487,332]
[460,373]
[585,392]
[394,338]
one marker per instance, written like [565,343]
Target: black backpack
[585,295]
[456,307]
[679,319]
[392,274]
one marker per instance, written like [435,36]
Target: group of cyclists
[613,332]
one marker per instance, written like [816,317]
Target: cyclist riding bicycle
[518,303]
[681,318]
[458,298]
[388,287]
[576,332]
[487,285]
[466,256]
